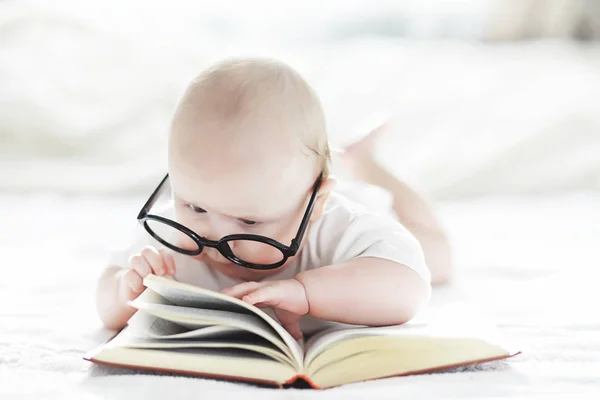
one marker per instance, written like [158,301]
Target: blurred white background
[490,97]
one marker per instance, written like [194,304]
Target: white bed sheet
[530,264]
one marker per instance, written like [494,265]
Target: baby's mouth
[221,263]
[231,269]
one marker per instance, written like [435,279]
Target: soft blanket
[531,265]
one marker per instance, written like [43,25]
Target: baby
[255,212]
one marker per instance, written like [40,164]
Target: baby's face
[227,182]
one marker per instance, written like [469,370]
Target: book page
[198,317]
[179,294]
[219,362]
[183,294]
[321,341]
[147,325]
[372,357]
[194,318]
[243,341]
[446,336]
[451,320]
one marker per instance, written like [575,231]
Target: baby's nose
[214,254]
[214,228]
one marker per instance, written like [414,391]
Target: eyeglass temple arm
[304,224]
[152,198]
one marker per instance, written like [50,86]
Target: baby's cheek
[186,243]
[256,253]
[260,253]
[183,240]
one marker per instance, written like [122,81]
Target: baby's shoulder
[348,230]
[347,226]
[339,213]
[342,211]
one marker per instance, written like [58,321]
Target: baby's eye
[248,222]
[196,209]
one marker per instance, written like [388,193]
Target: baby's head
[247,143]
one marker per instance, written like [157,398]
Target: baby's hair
[250,84]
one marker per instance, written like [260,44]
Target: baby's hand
[286,297]
[149,261]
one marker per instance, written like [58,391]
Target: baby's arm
[377,276]
[365,291]
[119,285]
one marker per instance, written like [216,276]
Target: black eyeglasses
[250,251]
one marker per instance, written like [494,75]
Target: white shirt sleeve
[374,235]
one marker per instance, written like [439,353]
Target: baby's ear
[327,185]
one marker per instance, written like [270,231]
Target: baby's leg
[412,209]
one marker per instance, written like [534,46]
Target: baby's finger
[140,265]
[291,323]
[155,260]
[169,261]
[134,281]
[265,296]
[242,289]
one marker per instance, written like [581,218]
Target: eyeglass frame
[221,244]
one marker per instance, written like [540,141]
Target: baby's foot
[360,157]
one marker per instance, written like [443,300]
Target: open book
[186,329]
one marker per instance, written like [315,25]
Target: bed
[530,265]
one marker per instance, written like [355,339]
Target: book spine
[301,381]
